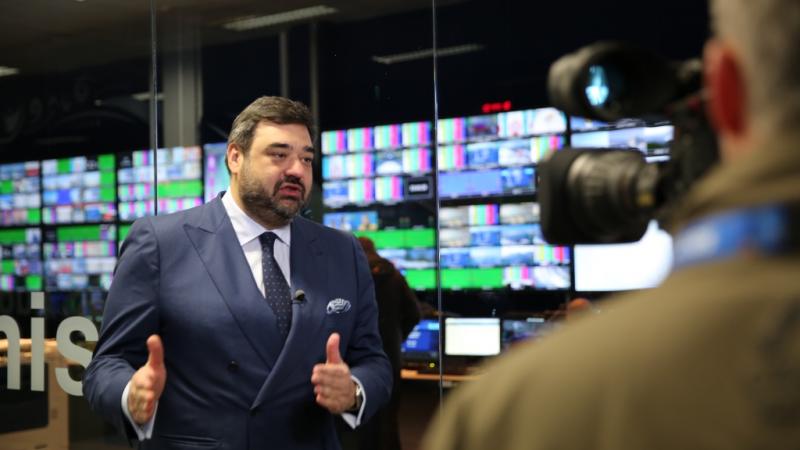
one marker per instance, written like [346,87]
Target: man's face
[274,178]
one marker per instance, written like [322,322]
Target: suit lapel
[309,275]
[215,241]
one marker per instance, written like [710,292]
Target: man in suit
[238,324]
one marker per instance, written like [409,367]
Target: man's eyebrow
[283,145]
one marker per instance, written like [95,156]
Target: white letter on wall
[9,326]
[74,352]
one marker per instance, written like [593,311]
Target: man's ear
[725,88]
[233,158]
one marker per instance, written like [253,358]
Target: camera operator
[710,359]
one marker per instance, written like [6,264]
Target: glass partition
[366,74]
[502,285]
[75,93]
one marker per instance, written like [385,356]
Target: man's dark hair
[278,110]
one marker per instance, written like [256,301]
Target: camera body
[591,196]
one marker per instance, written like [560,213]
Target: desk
[408,374]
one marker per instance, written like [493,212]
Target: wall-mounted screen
[216,178]
[21,261]
[488,246]
[79,190]
[79,257]
[652,141]
[402,234]
[20,198]
[179,184]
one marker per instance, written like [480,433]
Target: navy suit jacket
[229,384]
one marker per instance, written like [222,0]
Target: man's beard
[265,208]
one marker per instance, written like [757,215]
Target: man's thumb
[156,350]
[332,349]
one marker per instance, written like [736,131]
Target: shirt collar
[247,229]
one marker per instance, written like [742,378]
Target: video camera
[596,195]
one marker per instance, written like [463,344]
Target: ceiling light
[6,71]
[251,23]
[423,54]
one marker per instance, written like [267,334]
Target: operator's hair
[767,33]
[278,110]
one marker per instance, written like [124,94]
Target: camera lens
[596,196]
[608,193]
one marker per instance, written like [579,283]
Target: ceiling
[55,36]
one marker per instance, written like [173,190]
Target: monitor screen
[216,177]
[416,134]
[537,277]
[335,193]
[360,139]
[452,130]
[511,124]
[519,213]
[471,336]
[388,137]
[423,341]
[622,267]
[178,181]
[452,157]
[79,257]
[21,259]
[453,216]
[518,180]
[347,166]
[386,163]
[361,191]
[482,126]
[516,331]
[473,184]
[515,152]
[652,141]
[531,122]
[521,234]
[483,155]
[352,221]
[545,121]
[20,199]
[334,142]
[389,189]
[488,246]
[417,160]
[79,190]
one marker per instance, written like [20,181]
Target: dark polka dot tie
[276,291]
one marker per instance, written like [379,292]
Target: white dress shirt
[247,232]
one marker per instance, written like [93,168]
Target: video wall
[490,236]
[62,220]
[20,198]
[178,181]
[378,165]
[491,246]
